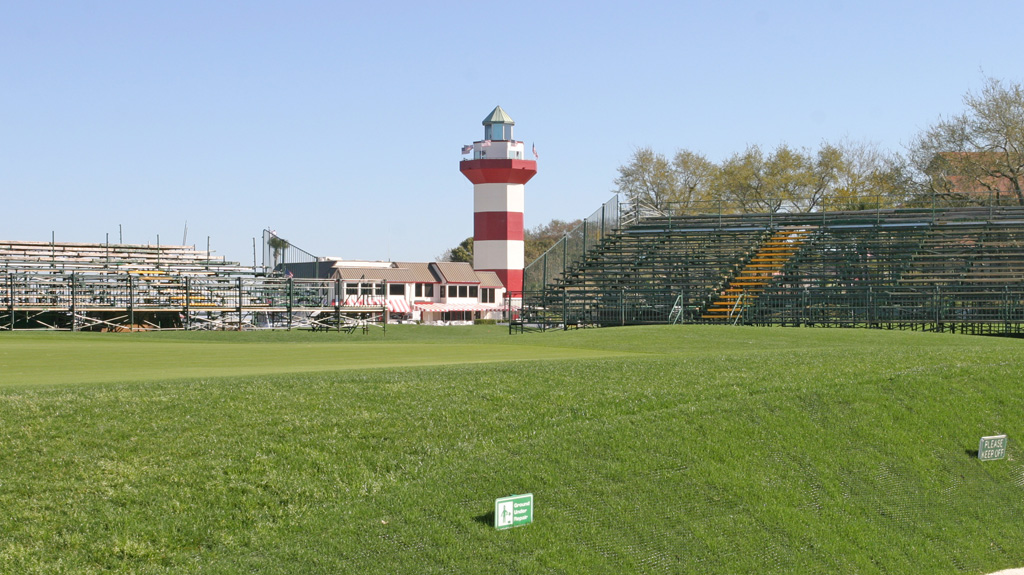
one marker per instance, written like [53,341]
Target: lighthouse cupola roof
[498,116]
[498,125]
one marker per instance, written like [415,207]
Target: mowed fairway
[54,358]
[648,450]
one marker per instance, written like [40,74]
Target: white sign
[992,447]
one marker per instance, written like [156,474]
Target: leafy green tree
[651,181]
[868,178]
[647,180]
[845,176]
[539,239]
[789,178]
[464,251]
[694,177]
[742,183]
[460,253]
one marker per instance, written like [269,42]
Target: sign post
[992,447]
[513,511]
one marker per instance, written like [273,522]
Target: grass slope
[648,450]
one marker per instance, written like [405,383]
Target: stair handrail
[739,300]
[677,310]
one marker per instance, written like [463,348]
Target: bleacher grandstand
[942,269]
[62,285]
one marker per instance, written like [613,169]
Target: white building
[434,292]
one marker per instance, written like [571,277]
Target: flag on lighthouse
[467,149]
[535,156]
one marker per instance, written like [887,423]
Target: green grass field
[648,450]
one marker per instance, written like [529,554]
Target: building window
[453,291]
[396,289]
[487,295]
[419,290]
[457,316]
[472,291]
[463,291]
[351,289]
[428,290]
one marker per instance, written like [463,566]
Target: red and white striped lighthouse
[499,171]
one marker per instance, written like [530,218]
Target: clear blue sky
[339,124]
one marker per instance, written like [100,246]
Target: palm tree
[278,245]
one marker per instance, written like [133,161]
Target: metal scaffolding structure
[939,269]
[129,302]
[116,287]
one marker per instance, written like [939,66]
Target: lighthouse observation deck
[498,150]
[498,161]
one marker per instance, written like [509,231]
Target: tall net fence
[278,253]
[574,246]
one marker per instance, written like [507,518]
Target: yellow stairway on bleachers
[768,262]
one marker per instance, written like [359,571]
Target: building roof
[421,271]
[455,272]
[976,173]
[498,116]
[397,275]
[343,263]
[399,272]
[489,280]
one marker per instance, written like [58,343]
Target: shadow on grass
[972,453]
[487,518]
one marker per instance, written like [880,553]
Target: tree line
[975,157]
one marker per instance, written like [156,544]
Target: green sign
[513,511]
[992,447]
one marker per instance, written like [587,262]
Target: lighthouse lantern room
[499,173]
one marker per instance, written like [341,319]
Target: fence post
[565,254]
[10,299]
[1006,309]
[131,303]
[871,307]
[337,304]
[543,272]
[805,314]
[290,296]
[188,303]
[544,279]
[622,306]
[239,308]
[565,311]
[74,310]
[584,252]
